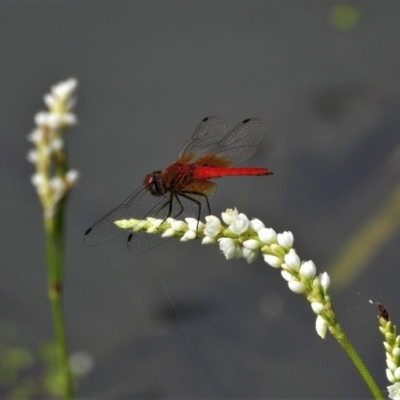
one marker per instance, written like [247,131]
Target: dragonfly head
[154,184]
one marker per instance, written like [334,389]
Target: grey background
[148,73]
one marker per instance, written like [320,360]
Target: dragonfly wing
[241,142]
[138,205]
[208,134]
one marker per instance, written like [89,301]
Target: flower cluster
[244,238]
[53,179]
[392,347]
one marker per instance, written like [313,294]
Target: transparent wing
[208,134]
[211,139]
[241,142]
[138,205]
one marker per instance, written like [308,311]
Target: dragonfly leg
[185,195]
[182,208]
[200,194]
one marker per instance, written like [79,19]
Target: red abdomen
[217,172]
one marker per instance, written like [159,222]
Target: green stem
[339,334]
[55,235]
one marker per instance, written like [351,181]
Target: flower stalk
[242,238]
[392,349]
[53,181]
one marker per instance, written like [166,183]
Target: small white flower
[251,244]
[213,226]
[229,248]
[209,240]
[390,376]
[32,156]
[292,260]
[267,235]
[273,261]
[188,235]
[308,270]
[285,240]
[240,224]
[317,307]
[256,224]
[250,255]
[178,226]
[229,215]
[321,327]
[35,136]
[65,89]
[72,176]
[288,276]
[325,280]
[49,100]
[296,287]
[391,365]
[388,347]
[394,391]
[38,180]
[168,233]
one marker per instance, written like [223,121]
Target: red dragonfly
[183,189]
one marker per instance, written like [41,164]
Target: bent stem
[247,239]
[55,243]
[338,332]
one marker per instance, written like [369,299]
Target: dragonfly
[184,188]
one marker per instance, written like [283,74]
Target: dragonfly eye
[153,183]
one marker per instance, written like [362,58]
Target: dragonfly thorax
[154,184]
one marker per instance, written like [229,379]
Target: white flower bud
[35,136]
[273,261]
[209,240]
[213,226]
[285,240]
[296,287]
[256,224]
[250,255]
[267,235]
[188,235]
[395,352]
[308,270]
[168,233]
[292,260]
[391,365]
[229,215]
[288,276]
[228,247]
[321,327]
[32,156]
[396,373]
[251,244]
[240,224]
[317,307]
[390,376]
[65,89]
[72,176]
[325,280]
[178,226]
